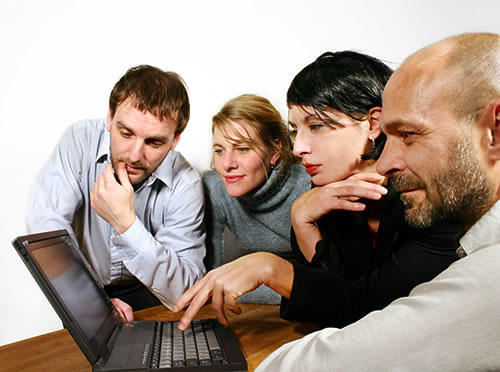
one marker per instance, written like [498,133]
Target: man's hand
[308,208]
[228,282]
[124,309]
[113,201]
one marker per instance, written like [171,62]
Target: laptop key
[205,362]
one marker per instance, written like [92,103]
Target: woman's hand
[315,203]
[228,282]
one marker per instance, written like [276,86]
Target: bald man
[441,114]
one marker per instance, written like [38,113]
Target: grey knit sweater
[257,221]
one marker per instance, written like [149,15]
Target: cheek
[218,165]
[253,168]
[154,157]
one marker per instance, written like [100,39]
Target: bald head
[461,72]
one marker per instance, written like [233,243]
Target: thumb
[122,174]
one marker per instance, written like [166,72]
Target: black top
[349,277]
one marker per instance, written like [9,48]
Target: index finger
[187,296]
[199,299]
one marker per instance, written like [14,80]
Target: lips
[131,169]
[232,179]
[311,168]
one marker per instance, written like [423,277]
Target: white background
[60,59]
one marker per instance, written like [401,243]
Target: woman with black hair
[354,251]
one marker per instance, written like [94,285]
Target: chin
[235,192]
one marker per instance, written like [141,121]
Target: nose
[301,145]
[136,152]
[391,160]
[229,161]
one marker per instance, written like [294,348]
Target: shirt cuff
[127,242]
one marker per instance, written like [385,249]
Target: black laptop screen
[76,291]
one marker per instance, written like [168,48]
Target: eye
[316,127]
[407,136]
[242,149]
[218,151]
[155,143]
[125,134]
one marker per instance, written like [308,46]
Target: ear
[277,153]
[374,121]
[176,141]
[494,131]
[108,120]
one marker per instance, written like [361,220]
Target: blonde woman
[250,192]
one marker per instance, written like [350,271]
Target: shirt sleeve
[56,194]
[169,261]
[448,324]
[325,296]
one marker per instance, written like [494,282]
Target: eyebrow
[121,124]
[308,118]
[395,124]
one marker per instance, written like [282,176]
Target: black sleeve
[326,297]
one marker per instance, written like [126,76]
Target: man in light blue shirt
[134,205]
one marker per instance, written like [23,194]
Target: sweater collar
[262,197]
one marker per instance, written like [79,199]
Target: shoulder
[298,173]
[182,168]
[88,127]
[213,186]
[298,179]
[83,134]
[211,178]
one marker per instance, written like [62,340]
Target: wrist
[277,274]
[121,227]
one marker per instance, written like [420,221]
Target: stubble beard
[458,194]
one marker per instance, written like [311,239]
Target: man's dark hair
[347,81]
[162,93]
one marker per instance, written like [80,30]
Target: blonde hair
[258,113]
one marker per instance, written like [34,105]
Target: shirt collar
[484,232]
[164,172]
[104,149]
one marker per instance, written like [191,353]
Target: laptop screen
[73,291]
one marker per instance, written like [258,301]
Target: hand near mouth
[315,203]
[113,200]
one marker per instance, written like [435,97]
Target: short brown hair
[162,93]
[260,114]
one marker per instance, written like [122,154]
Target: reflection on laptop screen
[77,291]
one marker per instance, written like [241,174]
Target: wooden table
[259,329]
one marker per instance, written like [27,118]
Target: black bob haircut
[346,81]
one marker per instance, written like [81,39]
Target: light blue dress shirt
[164,248]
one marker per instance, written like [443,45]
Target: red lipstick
[311,168]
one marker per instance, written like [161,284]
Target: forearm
[166,271]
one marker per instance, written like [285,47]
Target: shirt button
[461,252]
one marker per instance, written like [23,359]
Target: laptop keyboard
[196,346]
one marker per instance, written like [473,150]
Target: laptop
[107,341]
